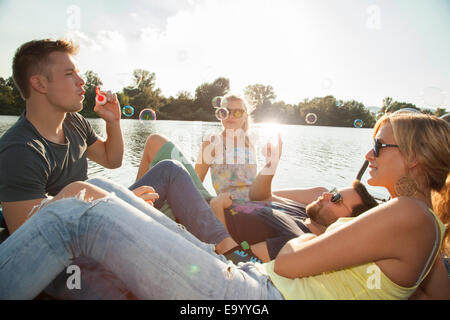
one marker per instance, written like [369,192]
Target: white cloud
[295,46]
[111,39]
[82,40]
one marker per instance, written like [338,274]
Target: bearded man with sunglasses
[307,212]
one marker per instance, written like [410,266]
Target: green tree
[259,94]
[394,106]
[357,110]
[440,112]
[203,96]
[91,80]
[386,104]
[184,95]
[329,113]
[143,93]
[427,111]
[11,102]
[6,98]
[124,100]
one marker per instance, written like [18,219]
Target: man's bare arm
[109,152]
[304,196]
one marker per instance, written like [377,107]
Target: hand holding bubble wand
[100,98]
[107,105]
[274,146]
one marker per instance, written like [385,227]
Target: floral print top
[234,171]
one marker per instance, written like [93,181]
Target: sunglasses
[378,145]
[337,197]
[223,113]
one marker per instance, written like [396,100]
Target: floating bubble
[433,97]
[127,80]
[128,111]
[193,268]
[311,118]
[407,110]
[182,55]
[147,114]
[222,113]
[216,102]
[446,117]
[358,123]
[327,83]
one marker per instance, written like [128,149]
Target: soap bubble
[222,113]
[446,117]
[128,111]
[327,83]
[128,80]
[407,110]
[311,118]
[194,268]
[147,114]
[358,123]
[216,102]
[182,55]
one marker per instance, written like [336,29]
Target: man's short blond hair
[32,58]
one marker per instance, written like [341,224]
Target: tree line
[142,93]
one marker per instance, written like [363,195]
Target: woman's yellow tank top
[363,282]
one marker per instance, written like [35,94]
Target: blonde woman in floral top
[230,155]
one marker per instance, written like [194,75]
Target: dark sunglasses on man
[337,198]
[378,145]
[336,195]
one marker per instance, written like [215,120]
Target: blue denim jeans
[155,257]
[173,184]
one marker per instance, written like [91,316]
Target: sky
[364,50]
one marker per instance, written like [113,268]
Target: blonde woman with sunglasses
[230,156]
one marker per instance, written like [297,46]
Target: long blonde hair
[426,140]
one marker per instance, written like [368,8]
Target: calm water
[312,155]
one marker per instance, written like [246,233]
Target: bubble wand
[99,97]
